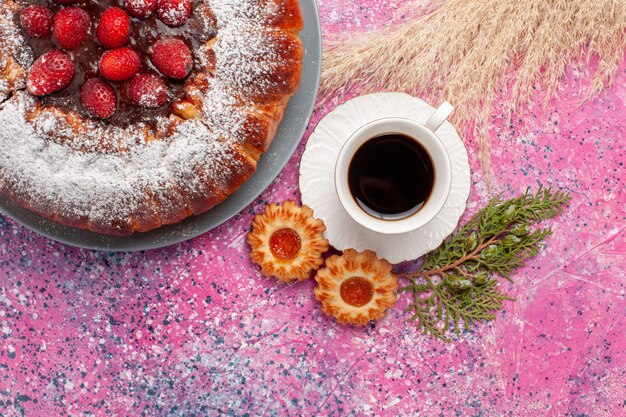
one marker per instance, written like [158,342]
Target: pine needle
[457,286]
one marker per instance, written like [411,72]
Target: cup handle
[439,116]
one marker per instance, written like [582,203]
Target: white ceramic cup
[425,135]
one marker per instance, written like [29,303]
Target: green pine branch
[458,286]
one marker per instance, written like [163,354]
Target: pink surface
[194,329]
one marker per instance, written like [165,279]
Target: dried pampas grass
[467,51]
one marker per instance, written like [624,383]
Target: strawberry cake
[121,117]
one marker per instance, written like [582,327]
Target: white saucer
[318,188]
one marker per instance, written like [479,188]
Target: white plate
[318,188]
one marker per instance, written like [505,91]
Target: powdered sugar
[12,48]
[112,177]
[246,64]
[103,186]
[12,43]
[4,88]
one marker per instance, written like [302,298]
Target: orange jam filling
[357,291]
[285,244]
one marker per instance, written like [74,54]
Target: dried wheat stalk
[467,51]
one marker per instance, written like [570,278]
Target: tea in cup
[393,175]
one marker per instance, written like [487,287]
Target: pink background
[194,329]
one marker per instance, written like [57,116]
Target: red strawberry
[148,90]
[53,71]
[140,9]
[70,27]
[99,98]
[174,13]
[36,21]
[114,28]
[172,58]
[119,64]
